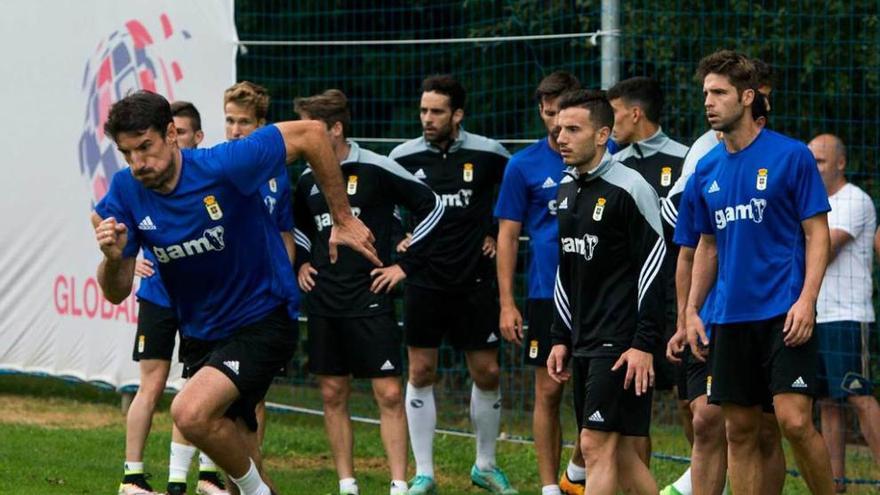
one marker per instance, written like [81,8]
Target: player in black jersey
[609,296]
[454,295]
[637,103]
[352,329]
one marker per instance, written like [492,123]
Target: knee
[740,434]
[769,438]
[795,426]
[548,396]
[334,395]
[487,376]
[708,426]
[187,418]
[422,374]
[389,397]
[592,453]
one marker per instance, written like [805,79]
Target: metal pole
[610,43]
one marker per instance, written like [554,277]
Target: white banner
[65,63]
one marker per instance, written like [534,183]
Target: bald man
[845,312]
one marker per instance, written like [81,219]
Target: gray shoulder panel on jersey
[698,150]
[371,158]
[482,143]
[638,188]
[624,154]
[407,148]
[674,148]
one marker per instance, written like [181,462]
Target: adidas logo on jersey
[714,187]
[799,383]
[211,240]
[387,366]
[754,211]
[147,224]
[314,190]
[548,183]
[596,417]
[420,174]
[492,338]
[233,365]
[563,205]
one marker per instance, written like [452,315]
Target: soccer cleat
[568,487]
[422,485]
[210,484]
[138,486]
[175,489]
[493,480]
[670,490]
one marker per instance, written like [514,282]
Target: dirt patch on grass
[56,414]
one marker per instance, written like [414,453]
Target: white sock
[486,418]
[683,483]
[348,485]
[251,483]
[575,472]
[178,463]
[421,414]
[550,490]
[133,468]
[206,464]
[398,487]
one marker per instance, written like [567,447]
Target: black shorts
[751,363]
[601,403]
[536,347]
[696,375]
[665,374]
[366,347]
[469,319]
[250,358]
[156,328]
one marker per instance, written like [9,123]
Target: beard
[439,135]
[157,180]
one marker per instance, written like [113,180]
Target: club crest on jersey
[599,209]
[213,207]
[352,185]
[761,183]
[533,349]
[468,174]
[666,176]
[273,185]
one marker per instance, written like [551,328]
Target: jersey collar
[604,165]
[354,152]
[652,145]
[455,146]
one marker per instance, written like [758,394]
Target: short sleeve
[685,234]
[810,196]
[250,162]
[513,195]
[114,205]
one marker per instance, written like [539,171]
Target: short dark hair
[764,74]
[447,85]
[555,84]
[186,109]
[601,113]
[738,68]
[329,107]
[138,112]
[249,95]
[642,92]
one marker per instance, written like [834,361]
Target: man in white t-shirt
[845,310]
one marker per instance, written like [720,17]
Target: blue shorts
[843,363]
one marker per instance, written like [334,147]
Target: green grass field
[60,438]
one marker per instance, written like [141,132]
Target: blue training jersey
[218,250]
[151,288]
[686,236]
[528,196]
[754,201]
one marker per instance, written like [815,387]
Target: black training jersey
[609,293]
[375,185]
[465,176]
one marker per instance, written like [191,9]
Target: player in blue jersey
[221,260]
[528,196]
[761,211]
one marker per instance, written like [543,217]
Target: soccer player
[528,196]
[709,453]
[454,296]
[845,312]
[761,210]
[220,258]
[154,346]
[352,329]
[637,103]
[608,296]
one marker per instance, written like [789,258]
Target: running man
[761,211]
[352,329]
[608,295]
[528,196]
[454,296]
[220,258]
